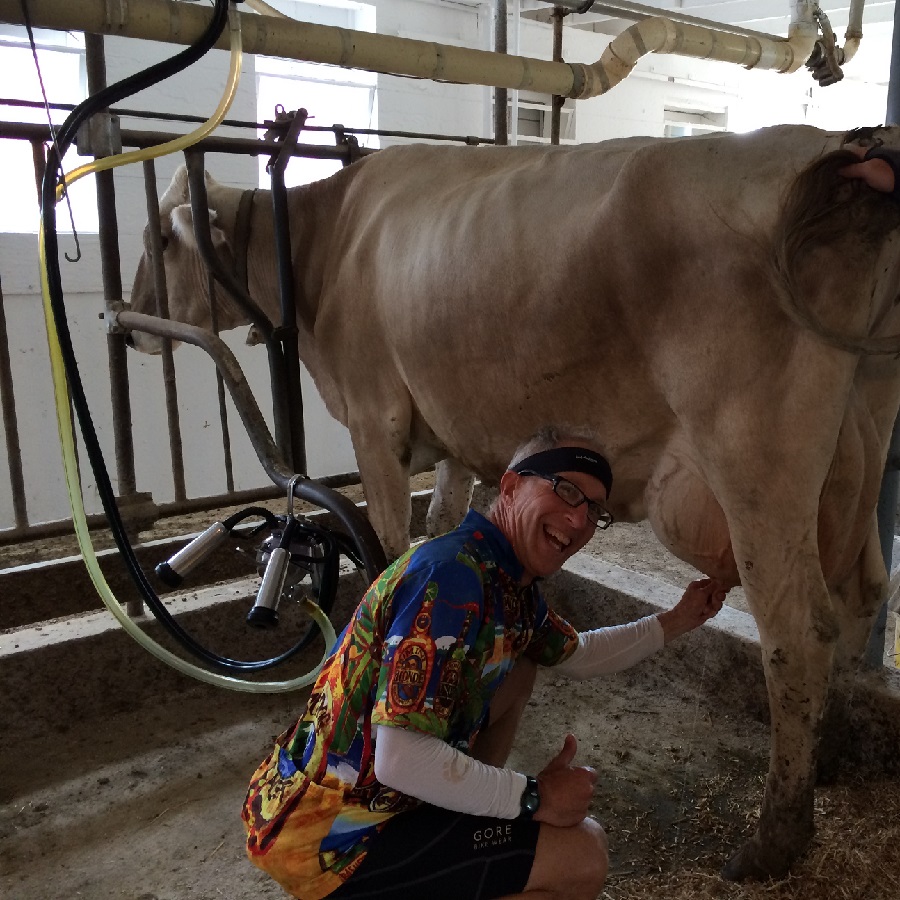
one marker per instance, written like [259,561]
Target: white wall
[634,107]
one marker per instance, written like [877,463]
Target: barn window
[685,122]
[62,60]
[330,94]
[534,114]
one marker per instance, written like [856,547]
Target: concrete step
[83,666]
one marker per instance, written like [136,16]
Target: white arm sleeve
[607,650]
[426,768]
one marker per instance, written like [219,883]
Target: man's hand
[700,602]
[565,790]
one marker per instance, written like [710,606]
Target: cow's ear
[254,337]
[183,227]
[177,191]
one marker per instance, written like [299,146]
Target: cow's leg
[771,518]
[382,448]
[453,484]
[856,603]
[776,552]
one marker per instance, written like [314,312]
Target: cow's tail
[822,209]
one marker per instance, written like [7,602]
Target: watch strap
[531,798]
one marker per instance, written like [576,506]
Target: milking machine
[297,557]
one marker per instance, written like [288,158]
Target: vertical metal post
[559,13]
[39,157]
[220,386]
[160,289]
[886,512]
[112,292]
[890,482]
[287,292]
[501,95]
[110,263]
[10,426]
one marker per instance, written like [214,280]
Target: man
[394,782]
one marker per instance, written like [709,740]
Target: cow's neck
[242,230]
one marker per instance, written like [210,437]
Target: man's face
[543,529]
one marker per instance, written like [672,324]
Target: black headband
[568,459]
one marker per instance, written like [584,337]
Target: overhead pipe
[181,23]
[853,34]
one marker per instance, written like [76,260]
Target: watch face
[531,799]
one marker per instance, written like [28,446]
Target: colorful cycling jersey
[426,649]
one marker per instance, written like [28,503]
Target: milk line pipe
[173,22]
[267,452]
[629,10]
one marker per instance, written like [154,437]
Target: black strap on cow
[242,226]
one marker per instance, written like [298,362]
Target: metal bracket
[100,135]
[825,61]
[342,139]
[110,317]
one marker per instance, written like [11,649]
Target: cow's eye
[164,242]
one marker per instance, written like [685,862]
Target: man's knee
[571,863]
[592,858]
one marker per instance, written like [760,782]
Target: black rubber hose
[65,136]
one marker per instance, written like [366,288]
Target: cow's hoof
[755,863]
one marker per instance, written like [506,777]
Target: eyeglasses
[597,514]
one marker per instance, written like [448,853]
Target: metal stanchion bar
[160,289]
[10,426]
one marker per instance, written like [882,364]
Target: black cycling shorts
[434,853]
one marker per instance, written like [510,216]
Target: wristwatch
[531,799]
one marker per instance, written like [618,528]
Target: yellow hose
[186,140]
[67,438]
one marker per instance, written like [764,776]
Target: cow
[719,311]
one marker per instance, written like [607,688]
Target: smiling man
[394,782]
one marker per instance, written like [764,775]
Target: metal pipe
[220,385]
[886,510]
[39,158]
[194,161]
[10,425]
[501,96]
[243,123]
[266,450]
[853,34]
[557,101]
[886,515]
[110,266]
[174,508]
[665,36]
[32,131]
[287,331]
[170,386]
[181,23]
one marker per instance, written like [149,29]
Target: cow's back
[505,287]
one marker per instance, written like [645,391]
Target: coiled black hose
[64,137]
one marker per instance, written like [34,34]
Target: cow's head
[186,274]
